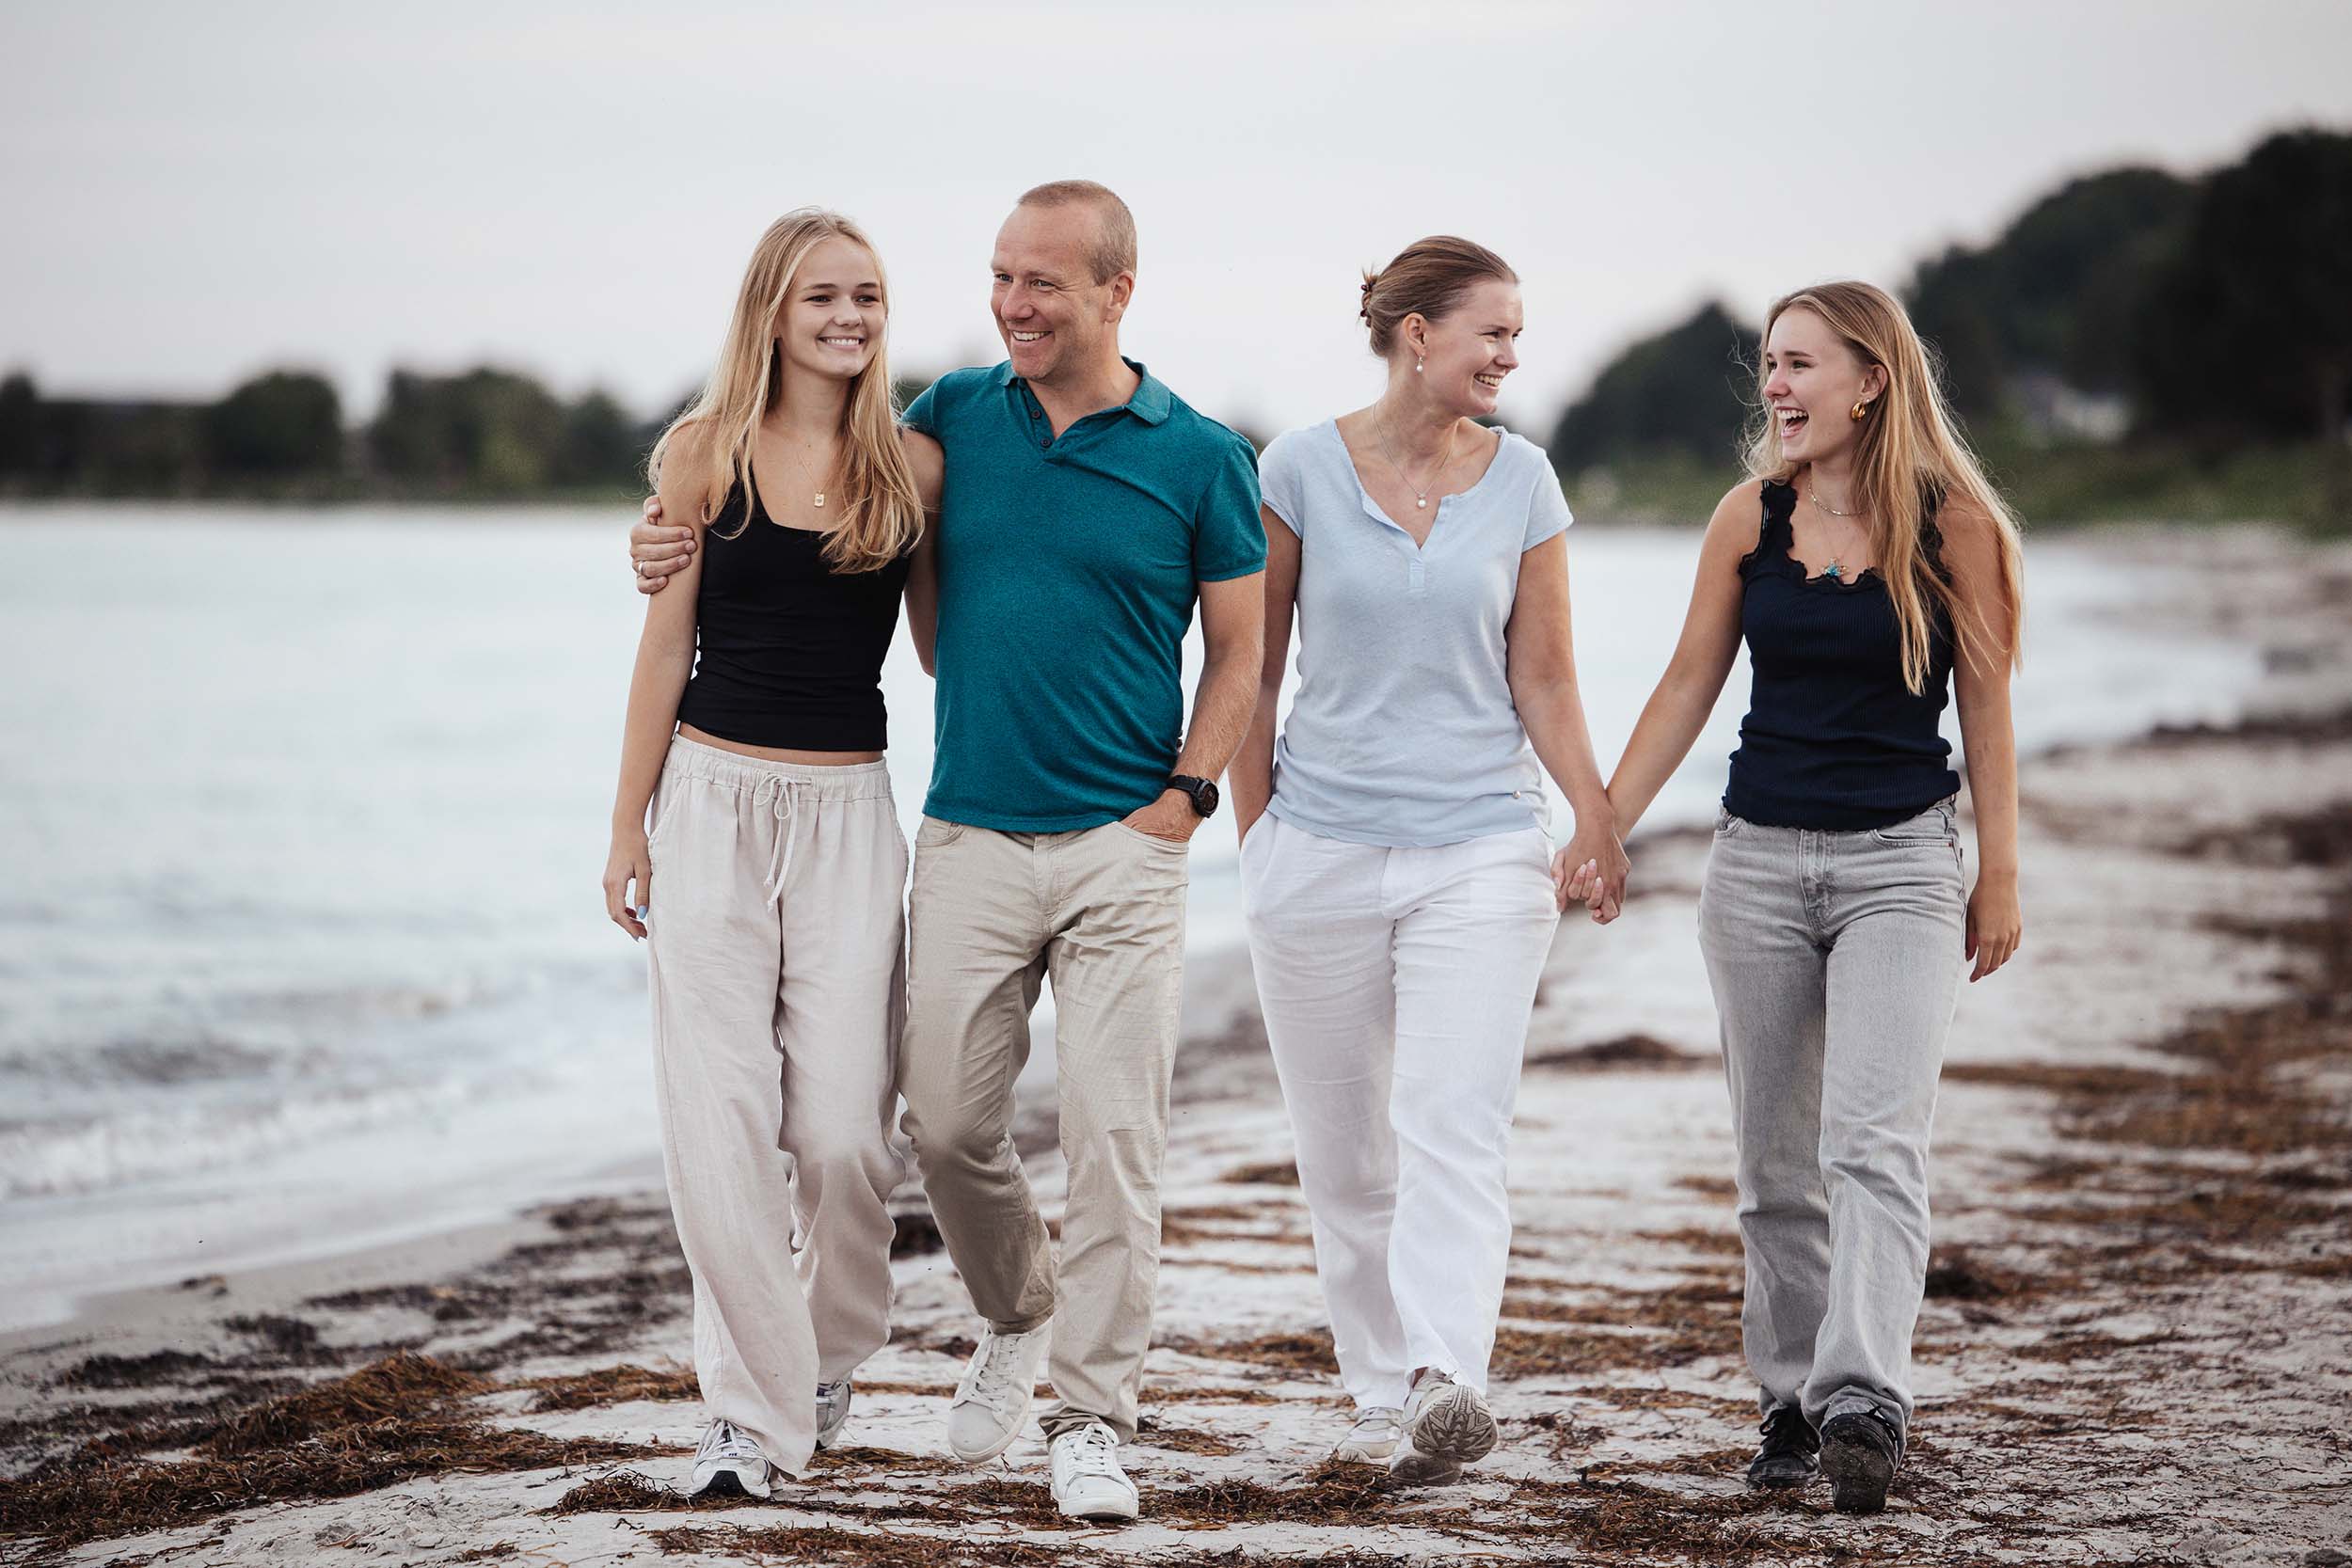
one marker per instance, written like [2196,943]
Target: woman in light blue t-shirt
[1397,868]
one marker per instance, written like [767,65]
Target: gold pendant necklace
[819,497]
[1836,570]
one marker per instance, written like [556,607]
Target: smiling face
[831,319]
[1812,380]
[1054,318]
[1465,354]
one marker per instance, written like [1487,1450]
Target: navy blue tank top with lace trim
[1833,739]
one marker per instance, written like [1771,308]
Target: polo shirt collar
[1149,403]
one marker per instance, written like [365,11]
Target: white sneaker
[1447,1421]
[1374,1437]
[728,1464]
[833,1412]
[992,1401]
[1088,1481]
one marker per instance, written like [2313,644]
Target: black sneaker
[1859,1450]
[1790,1453]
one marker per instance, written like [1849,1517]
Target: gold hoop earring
[1860,409]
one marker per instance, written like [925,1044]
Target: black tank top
[1834,739]
[788,652]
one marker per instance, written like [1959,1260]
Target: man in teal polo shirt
[1085,509]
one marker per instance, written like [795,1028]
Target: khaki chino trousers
[776,938]
[991,916]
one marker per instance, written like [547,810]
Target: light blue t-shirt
[1403,731]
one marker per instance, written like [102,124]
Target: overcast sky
[203,191]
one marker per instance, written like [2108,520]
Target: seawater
[303,817]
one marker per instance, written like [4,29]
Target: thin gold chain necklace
[818,495]
[1814,495]
[1836,570]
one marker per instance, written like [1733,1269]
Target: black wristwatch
[1203,792]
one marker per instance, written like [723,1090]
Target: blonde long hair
[880,513]
[1908,459]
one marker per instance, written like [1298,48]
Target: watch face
[1204,799]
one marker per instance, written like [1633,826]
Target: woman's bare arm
[665,660]
[1540,651]
[929,462]
[1251,775]
[1686,693]
[1980,677]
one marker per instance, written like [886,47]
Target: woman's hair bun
[1427,278]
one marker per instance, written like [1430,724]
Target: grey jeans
[1834,958]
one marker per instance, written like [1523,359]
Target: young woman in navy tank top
[1874,573]
[771,882]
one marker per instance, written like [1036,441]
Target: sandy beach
[2136,1345]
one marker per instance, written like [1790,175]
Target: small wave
[91,1154]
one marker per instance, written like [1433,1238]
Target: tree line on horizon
[486,432]
[2211,312]
[2127,305]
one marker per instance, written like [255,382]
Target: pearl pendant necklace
[1421,496]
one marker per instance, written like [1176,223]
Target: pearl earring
[1417,364]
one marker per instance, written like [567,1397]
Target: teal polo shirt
[1068,571]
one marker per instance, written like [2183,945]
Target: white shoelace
[1095,1452]
[725,1441]
[991,1379]
[1378,1420]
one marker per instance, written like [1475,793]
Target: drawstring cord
[780,798]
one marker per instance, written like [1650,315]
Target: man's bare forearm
[1221,709]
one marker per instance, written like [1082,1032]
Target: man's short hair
[1114,247]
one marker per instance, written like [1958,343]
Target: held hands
[630,862]
[1995,925]
[1171,816]
[657,553]
[1592,870]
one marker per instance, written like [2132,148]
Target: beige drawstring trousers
[1101,912]
[776,934]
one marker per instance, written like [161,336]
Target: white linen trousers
[1396,985]
[777,935]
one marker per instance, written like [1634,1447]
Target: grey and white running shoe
[833,1412]
[728,1464]
[1374,1437]
[1448,1421]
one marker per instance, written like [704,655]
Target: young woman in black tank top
[1874,573]
[754,745]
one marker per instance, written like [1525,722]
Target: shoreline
[1217,987]
[414,1066]
[2133,1344]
